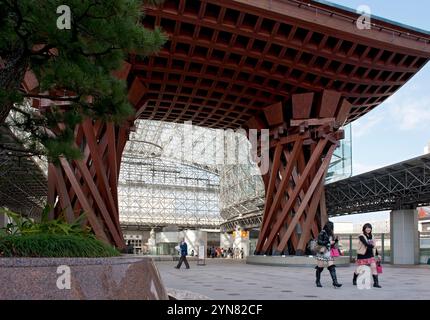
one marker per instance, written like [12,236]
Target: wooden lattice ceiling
[226,60]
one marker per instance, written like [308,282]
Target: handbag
[379,267]
[361,247]
[334,252]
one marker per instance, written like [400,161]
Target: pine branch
[85,14]
[86,55]
[20,21]
[98,54]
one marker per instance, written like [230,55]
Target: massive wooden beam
[88,185]
[300,155]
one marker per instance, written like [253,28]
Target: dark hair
[329,226]
[367,225]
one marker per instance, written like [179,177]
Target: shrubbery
[24,237]
[54,246]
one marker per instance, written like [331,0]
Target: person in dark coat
[130,247]
[326,240]
[184,252]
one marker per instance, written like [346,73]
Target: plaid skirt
[365,262]
[324,255]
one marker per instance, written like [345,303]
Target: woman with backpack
[326,241]
[366,253]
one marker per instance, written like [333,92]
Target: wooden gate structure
[302,69]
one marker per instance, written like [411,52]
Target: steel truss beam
[403,185]
[23,184]
[249,222]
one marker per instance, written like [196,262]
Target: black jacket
[324,239]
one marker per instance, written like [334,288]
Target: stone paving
[235,280]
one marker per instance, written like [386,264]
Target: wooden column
[90,185]
[304,134]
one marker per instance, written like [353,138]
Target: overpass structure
[299,69]
[400,188]
[404,185]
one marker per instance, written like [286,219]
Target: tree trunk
[13,65]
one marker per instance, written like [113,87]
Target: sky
[398,129]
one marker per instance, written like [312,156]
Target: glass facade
[341,164]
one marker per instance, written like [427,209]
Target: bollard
[383,248]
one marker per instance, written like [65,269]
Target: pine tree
[78,62]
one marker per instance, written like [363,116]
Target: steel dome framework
[158,187]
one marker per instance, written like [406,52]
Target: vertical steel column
[383,247]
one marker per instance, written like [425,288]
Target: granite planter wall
[117,278]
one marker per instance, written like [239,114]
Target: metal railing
[349,244]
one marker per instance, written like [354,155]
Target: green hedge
[54,246]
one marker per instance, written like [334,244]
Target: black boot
[376,282]
[318,276]
[332,270]
[354,280]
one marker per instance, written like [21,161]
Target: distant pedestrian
[130,247]
[236,253]
[241,253]
[192,253]
[184,251]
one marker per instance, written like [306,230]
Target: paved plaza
[235,280]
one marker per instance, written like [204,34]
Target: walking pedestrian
[367,254]
[184,251]
[130,247]
[326,240]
